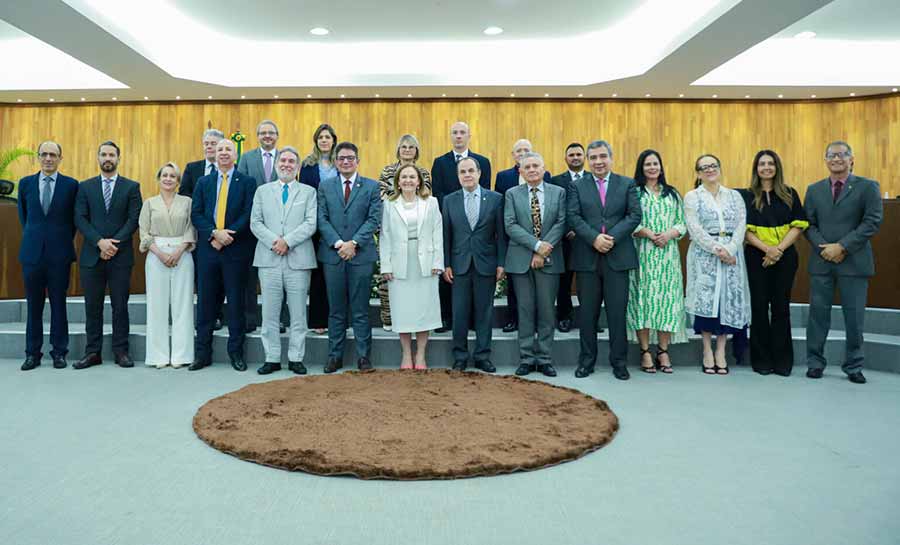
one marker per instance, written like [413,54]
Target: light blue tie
[107,192]
[284,194]
[471,211]
[46,195]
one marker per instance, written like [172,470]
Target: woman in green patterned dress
[656,293]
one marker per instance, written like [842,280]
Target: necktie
[212,169]
[471,211]
[535,212]
[267,166]
[284,194]
[838,186]
[577,177]
[46,195]
[458,157]
[222,203]
[346,191]
[107,192]
[602,200]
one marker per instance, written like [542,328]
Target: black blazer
[445,180]
[621,216]
[48,236]
[509,178]
[483,248]
[309,175]
[564,180]
[241,189]
[96,223]
[192,172]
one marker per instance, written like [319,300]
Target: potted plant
[8,188]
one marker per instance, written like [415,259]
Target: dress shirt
[157,220]
[573,174]
[206,168]
[112,185]
[462,155]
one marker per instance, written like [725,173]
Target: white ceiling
[228,49]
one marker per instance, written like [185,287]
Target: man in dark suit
[564,310]
[845,212]
[220,212]
[445,180]
[474,255]
[349,213]
[603,210]
[506,180]
[259,164]
[107,209]
[47,214]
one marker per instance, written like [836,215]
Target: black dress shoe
[297,367]
[564,326]
[238,363]
[856,378]
[763,372]
[621,373]
[249,328]
[30,363]
[511,326]
[583,371]
[122,359]
[782,372]
[268,368]
[87,361]
[524,369]
[445,327]
[813,373]
[218,324]
[333,365]
[486,366]
[547,369]
[364,364]
[59,362]
[459,366]
[198,364]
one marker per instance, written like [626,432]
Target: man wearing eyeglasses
[349,213]
[47,214]
[845,212]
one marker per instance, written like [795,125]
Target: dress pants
[853,291]
[318,299]
[473,300]
[348,293]
[445,292]
[512,303]
[564,292]
[251,302]
[169,290]
[46,280]
[95,280]
[594,288]
[771,348]
[275,283]
[218,275]
[536,294]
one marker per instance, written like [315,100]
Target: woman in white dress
[167,233]
[717,294]
[411,248]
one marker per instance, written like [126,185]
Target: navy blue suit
[225,269]
[46,255]
[193,171]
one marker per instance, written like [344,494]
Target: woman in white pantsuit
[411,248]
[167,233]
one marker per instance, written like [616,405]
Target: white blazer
[394,241]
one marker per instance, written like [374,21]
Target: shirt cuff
[338,244]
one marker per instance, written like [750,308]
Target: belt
[721,234]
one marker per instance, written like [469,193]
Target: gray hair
[408,139]
[532,155]
[290,149]
[839,143]
[58,147]
[212,132]
[600,144]
[267,122]
[519,141]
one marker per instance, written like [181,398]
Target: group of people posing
[311,229]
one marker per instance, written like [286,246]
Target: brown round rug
[435,424]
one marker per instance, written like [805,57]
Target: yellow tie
[222,203]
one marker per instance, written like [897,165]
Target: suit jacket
[851,221]
[564,180]
[309,175]
[294,221]
[119,223]
[520,228]
[394,241]
[484,247]
[357,219]
[251,164]
[445,180]
[193,171]
[509,178]
[49,236]
[241,189]
[587,214]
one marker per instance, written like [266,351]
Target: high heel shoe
[406,365]
[421,366]
[659,365]
[652,368]
[708,369]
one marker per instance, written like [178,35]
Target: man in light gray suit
[603,210]
[474,252]
[844,212]
[535,218]
[349,214]
[283,220]
[259,163]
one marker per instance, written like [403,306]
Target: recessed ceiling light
[243,96]
[476,94]
[615,95]
[18,100]
[680,95]
[780,96]
[178,97]
[512,94]
[443,94]
[493,30]
[82,99]
[894,90]
[146,98]
[52,100]
[377,95]
[715,96]
[746,96]
[342,96]
[853,94]
[319,31]
[812,96]
[209,97]
[308,96]
[274,96]
[647,95]
[114,98]
[546,94]
[580,95]
[408,95]
[805,35]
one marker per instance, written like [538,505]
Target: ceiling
[166,50]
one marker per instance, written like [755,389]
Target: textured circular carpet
[381,424]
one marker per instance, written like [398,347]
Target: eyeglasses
[267,133]
[838,155]
[48,155]
[707,168]
[348,158]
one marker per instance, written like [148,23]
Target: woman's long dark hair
[641,180]
[316,154]
[781,191]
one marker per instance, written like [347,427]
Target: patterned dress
[656,293]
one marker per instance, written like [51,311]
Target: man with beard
[107,209]
[564,310]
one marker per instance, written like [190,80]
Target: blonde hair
[171,165]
